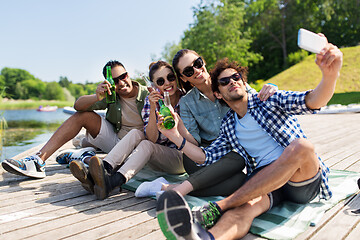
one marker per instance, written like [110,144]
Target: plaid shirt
[277,117]
[145,113]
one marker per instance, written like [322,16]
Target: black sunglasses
[170,77]
[189,71]
[225,81]
[121,77]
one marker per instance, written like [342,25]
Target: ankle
[39,155]
[116,180]
[218,207]
[108,167]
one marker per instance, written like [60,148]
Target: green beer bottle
[110,98]
[169,121]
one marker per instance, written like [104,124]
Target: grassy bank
[31,104]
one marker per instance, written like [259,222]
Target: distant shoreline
[10,104]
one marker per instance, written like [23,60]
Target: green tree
[341,21]
[35,88]
[218,32]
[54,91]
[169,51]
[12,76]
[20,92]
[2,83]
[274,25]
[64,82]
[77,90]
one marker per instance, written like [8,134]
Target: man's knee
[301,148]
[84,117]
[88,120]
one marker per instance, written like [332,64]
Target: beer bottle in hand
[169,121]
[110,98]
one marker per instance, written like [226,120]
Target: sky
[75,38]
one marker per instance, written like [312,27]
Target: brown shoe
[82,174]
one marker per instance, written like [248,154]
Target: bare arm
[329,61]
[194,152]
[84,102]
[152,132]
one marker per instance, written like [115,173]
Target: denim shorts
[297,192]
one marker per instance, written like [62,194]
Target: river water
[57,116]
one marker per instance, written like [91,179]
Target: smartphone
[310,41]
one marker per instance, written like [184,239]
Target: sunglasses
[189,71]
[226,80]
[170,77]
[121,77]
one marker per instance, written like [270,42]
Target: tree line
[262,34]
[20,84]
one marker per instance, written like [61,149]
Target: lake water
[57,116]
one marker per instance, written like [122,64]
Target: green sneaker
[207,215]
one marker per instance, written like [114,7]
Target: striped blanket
[285,221]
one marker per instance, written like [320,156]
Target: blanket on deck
[285,221]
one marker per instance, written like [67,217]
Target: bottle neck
[161,102]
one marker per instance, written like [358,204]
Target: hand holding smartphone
[310,41]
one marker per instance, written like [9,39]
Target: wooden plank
[155,235]
[118,221]
[355,233]
[76,217]
[136,232]
[344,220]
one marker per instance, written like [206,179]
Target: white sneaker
[68,155]
[149,189]
[32,166]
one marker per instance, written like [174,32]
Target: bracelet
[182,144]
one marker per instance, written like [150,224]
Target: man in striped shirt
[281,162]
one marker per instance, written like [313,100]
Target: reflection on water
[29,128]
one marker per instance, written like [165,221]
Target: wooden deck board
[57,207]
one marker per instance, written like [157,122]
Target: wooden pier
[57,207]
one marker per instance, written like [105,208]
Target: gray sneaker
[68,155]
[175,218]
[31,166]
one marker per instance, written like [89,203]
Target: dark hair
[220,66]
[185,86]
[154,66]
[112,63]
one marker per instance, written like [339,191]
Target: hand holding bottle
[102,90]
[111,94]
[165,112]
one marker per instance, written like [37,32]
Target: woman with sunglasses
[165,156]
[201,114]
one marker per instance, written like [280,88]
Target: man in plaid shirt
[281,162]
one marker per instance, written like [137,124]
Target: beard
[233,98]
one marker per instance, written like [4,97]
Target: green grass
[345,98]
[306,75]
[31,104]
